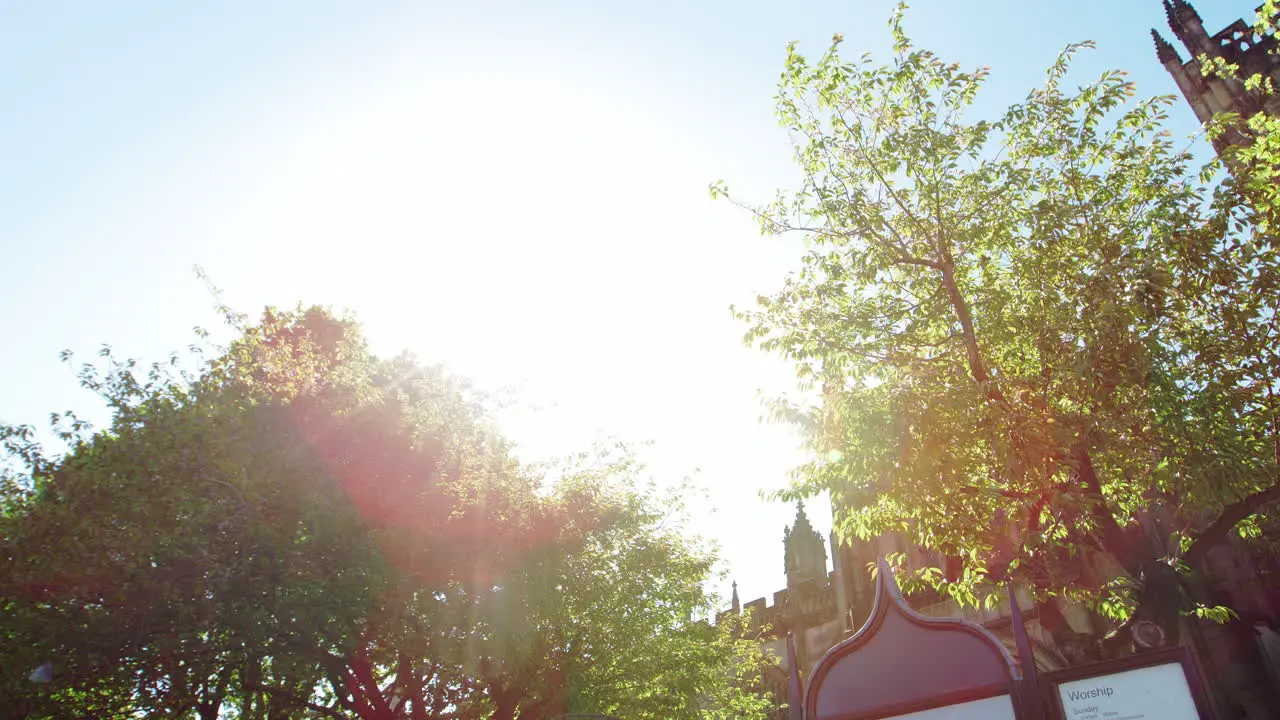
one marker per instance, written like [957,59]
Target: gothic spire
[1177,12]
[1165,51]
[737,605]
[1184,9]
[804,552]
[1188,27]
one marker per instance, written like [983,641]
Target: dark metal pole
[795,691]
[1030,701]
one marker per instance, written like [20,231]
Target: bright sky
[517,190]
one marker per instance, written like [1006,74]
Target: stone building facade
[1237,43]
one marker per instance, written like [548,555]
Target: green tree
[1043,341]
[302,529]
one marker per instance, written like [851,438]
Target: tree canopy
[1044,340]
[301,529]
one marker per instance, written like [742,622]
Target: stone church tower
[804,551]
[1237,44]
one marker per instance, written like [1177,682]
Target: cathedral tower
[805,551]
[1237,44]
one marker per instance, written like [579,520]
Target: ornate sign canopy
[902,663]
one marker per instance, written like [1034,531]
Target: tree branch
[362,673]
[977,367]
[1231,515]
[298,701]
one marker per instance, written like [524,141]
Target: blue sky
[517,190]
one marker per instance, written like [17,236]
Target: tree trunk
[506,701]
[505,709]
[1160,595]
[977,367]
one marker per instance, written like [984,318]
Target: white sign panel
[1159,692]
[993,708]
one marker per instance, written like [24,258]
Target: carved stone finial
[1184,10]
[1165,50]
[1179,13]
